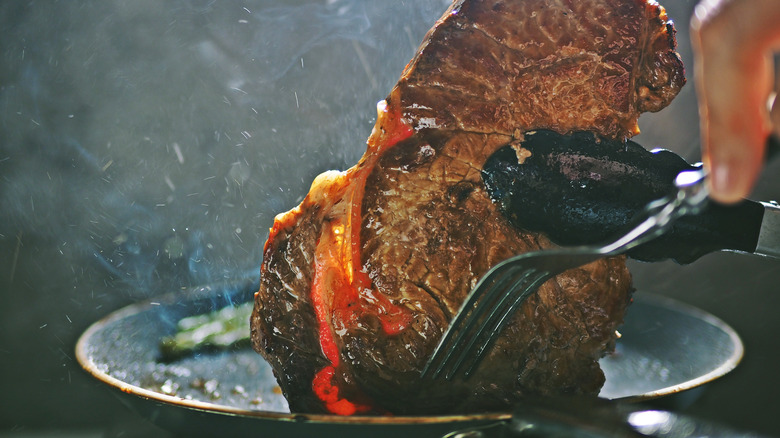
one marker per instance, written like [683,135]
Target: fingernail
[727,182]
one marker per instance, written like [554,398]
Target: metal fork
[502,290]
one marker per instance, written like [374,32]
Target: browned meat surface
[360,280]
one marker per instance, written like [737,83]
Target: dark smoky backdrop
[145,147]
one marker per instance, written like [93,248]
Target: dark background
[146,146]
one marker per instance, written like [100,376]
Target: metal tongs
[501,291]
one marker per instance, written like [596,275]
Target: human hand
[734,42]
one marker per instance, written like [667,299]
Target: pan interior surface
[661,352]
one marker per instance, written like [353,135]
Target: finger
[735,124]
[732,42]
[775,114]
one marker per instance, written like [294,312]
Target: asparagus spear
[226,328]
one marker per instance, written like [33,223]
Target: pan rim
[86,361]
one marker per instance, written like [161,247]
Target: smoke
[274,39]
[153,143]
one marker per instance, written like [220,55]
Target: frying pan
[666,348]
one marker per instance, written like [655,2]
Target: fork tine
[500,316]
[467,316]
[471,331]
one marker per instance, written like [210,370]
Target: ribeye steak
[360,280]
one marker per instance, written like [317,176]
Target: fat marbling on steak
[360,280]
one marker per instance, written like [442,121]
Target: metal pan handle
[591,417]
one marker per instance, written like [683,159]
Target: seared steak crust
[565,65]
[360,281]
[442,242]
